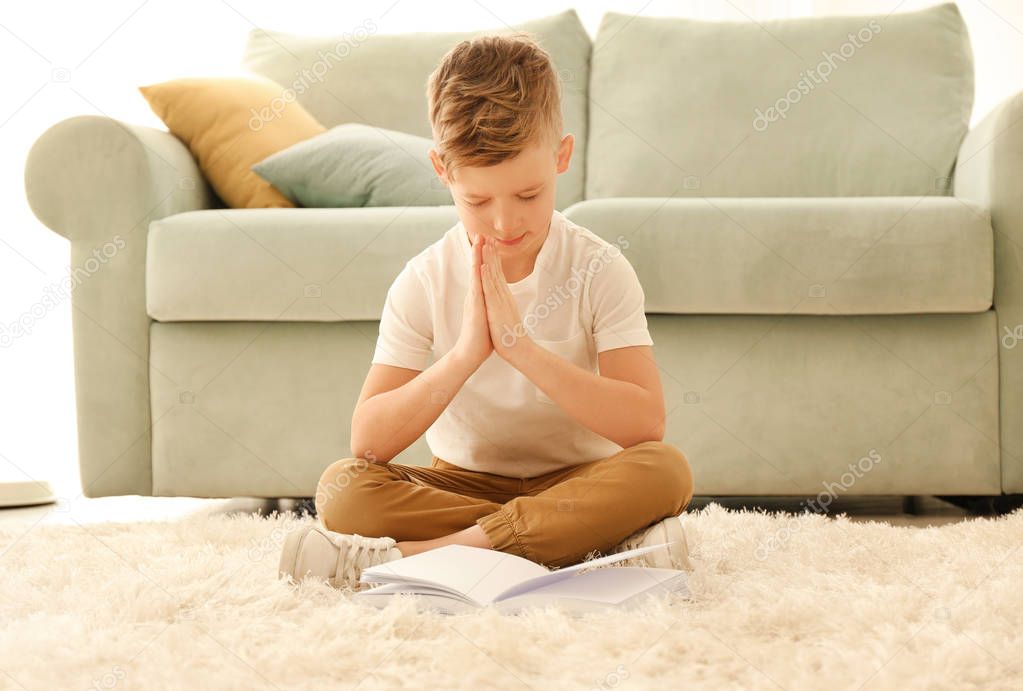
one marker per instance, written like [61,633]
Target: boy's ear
[438,167]
[565,152]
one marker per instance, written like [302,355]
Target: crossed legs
[553,519]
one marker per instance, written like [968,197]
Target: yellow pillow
[230,124]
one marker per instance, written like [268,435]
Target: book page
[586,592]
[413,588]
[608,586]
[478,574]
[570,571]
[435,600]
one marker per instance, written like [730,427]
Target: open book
[455,579]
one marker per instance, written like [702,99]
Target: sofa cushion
[760,404]
[809,107]
[283,264]
[356,165]
[839,255]
[716,256]
[380,79]
[214,117]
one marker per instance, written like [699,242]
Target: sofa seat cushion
[847,255]
[879,255]
[283,264]
[762,403]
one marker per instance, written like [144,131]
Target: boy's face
[511,201]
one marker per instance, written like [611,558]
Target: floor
[777,601]
[927,511]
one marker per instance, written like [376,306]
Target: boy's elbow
[642,436]
[363,450]
[362,446]
[658,433]
[359,445]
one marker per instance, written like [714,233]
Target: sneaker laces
[357,552]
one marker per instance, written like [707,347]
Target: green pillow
[356,165]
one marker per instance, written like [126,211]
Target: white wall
[63,59]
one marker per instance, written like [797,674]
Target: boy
[535,452]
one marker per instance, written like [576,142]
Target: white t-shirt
[583,297]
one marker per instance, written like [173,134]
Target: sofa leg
[306,506]
[265,506]
[299,505]
[992,505]
[909,504]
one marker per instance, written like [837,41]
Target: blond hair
[490,97]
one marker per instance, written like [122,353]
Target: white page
[570,571]
[585,592]
[478,573]
[609,586]
[482,575]
[413,588]
[381,595]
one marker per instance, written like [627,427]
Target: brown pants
[554,519]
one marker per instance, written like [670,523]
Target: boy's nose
[505,228]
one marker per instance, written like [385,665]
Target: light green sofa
[832,262]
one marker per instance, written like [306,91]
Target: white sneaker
[337,558]
[672,556]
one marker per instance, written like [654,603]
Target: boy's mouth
[513,241]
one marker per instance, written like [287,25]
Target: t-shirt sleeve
[406,325]
[617,301]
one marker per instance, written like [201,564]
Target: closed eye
[525,199]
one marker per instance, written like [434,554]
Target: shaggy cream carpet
[780,601]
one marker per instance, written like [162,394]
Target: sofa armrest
[99,183]
[989,172]
[89,177]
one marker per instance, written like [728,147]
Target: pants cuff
[501,532]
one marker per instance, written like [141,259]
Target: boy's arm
[624,403]
[397,405]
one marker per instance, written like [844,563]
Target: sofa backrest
[829,106]
[380,79]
